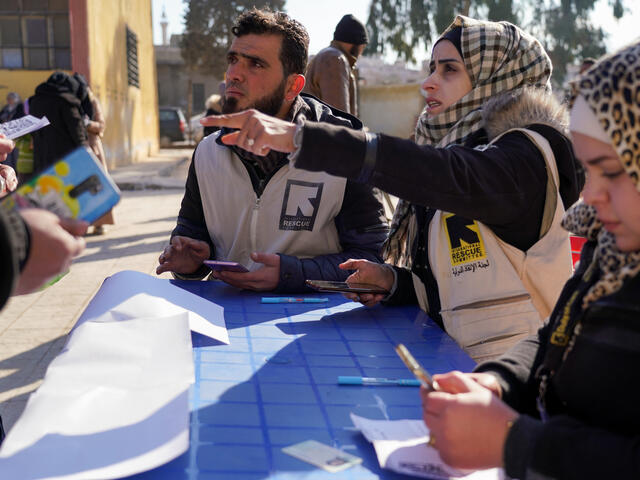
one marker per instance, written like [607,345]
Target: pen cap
[346,380]
[271,300]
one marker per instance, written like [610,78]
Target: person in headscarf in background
[59,100]
[563,404]
[93,119]
[477,241]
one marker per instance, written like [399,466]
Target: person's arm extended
[496,186]
[191,222]
[563,447]
[362,228]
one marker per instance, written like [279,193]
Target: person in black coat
[59,99]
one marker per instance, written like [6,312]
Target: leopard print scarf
[612,89]
[498,57]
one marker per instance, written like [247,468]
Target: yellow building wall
[23,82]
[131,113]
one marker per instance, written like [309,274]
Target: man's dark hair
[295,39]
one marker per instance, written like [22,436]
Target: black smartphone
[329,286]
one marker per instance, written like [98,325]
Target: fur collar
[521,107]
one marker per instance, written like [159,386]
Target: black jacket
[502,186]
[593,430]
[361,224]
[66,130]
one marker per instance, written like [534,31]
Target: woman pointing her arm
[477,241]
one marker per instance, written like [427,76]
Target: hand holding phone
[220,266]
[415,368]
[329,286]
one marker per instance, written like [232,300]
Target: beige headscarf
[612,89]
[498,57]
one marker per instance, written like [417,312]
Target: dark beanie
[351,30]
[454,36]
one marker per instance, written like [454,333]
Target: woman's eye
[613,174]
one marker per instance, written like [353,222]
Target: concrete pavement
[33,327]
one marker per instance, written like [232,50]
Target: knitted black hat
[351,30]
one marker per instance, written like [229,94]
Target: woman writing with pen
[563,404]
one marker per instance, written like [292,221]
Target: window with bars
[132,59]
[34,34]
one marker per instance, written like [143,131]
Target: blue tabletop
[276,384]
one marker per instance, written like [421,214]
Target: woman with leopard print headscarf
[477,243]
[563,405]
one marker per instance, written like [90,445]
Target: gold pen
[415,368]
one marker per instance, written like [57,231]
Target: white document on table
[23,125]
[130,294]
[113,403]
[401,446]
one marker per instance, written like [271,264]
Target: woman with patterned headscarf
[477,241]
[564,404]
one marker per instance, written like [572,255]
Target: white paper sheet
[23,125]
[112,404]
[401,446]
[130,294]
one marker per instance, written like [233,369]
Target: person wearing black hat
[331,74]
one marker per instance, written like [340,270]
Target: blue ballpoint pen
[294,300]
[404,382]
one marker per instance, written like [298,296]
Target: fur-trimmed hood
[521,107]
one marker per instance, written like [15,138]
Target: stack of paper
[115,402]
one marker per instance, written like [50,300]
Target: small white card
[23,125]
[323,456]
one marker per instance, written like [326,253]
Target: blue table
[276,384]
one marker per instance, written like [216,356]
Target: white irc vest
[293,216]
[493,295]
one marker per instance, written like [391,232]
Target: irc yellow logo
[465,241]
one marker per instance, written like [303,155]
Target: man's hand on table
[184,255]
[264,279]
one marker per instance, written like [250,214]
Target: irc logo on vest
[300,205]
[465,241]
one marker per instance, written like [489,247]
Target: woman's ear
[295,84]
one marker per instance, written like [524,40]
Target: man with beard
[331,75]
[284,224]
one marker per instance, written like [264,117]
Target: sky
[321,17]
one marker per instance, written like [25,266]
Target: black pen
[415,368]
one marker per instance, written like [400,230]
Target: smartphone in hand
[329,286]
[220,266]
